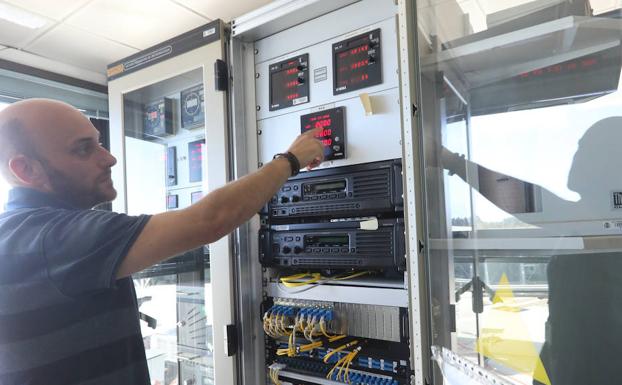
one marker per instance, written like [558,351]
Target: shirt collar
[23,197]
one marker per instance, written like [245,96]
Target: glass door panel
[165,170]
[520,119]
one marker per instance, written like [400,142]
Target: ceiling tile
[137,23]
[222,9]
[56,9]
[14,35]
[36,61]
[79,48]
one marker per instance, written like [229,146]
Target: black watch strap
[293,161]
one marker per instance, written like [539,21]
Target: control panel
[192,102]
[289,85]
[332,136]
[342,244]
[158,119]
[357,62]
[364,189]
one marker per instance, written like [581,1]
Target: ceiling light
[20,16]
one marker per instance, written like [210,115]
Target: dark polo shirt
[64,317]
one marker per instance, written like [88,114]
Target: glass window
[521,119]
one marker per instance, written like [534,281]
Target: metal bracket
[231,340]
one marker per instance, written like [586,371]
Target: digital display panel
[195,160]
[580,78]
[192,103]
[332,135]
[171,201]
[195,196]
[289,84]
[357,63]
[158,119]
[337,240]
[324,188]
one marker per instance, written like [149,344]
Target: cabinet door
[520,126]
[168,130]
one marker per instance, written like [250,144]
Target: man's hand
[308,149]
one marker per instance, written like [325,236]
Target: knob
[297,250]
[301,80]
[286,249]
[301,67]
[295,198]
[284,199]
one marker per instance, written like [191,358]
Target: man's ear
[29,172]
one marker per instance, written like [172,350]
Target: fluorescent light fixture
[21,17]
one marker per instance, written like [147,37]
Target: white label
[209,32]
[281,227]
[613,225]
[304,99]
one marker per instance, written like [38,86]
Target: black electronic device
[289,82]
[171,166]
[332,136]
[192,102]
[158,119]
[195,160]
[357,62]
[334,245]
[362,189]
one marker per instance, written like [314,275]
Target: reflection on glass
[521,122]
[165,159]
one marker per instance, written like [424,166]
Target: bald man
[68,311]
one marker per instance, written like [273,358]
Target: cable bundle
[344,363]
[312,280]
[274,373]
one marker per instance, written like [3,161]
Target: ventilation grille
[325,208]
[371,186]
[374,243]
[326,262]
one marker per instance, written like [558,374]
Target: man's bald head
[51,146]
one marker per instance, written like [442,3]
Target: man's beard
[70,191]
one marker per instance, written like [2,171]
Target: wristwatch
[293,161]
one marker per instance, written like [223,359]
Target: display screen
[195,157]
[195,196]
[357,62]
[581,78]
[324,188]
[332,135]
[158,119]
[338,240]
[192,107]
[288,82]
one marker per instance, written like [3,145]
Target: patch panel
[321,371]
[386,365]
[368,321]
